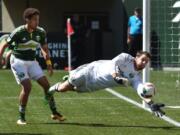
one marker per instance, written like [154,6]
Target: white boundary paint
[165,118]
[172,107]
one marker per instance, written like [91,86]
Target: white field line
[165,118]
[83,98]
[172,107]
[67,98]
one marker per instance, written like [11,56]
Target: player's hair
[138,10]
[29,12]
[139,53]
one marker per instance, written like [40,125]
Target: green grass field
[98,113]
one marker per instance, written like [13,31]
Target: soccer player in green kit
[26,39]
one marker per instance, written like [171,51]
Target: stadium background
[105,42]
[97,113]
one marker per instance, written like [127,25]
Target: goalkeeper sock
[54,88]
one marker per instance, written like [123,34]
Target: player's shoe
[66,77]
[21,120]
[58,116]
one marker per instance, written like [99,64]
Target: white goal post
[146,36]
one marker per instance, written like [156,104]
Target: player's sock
[55,114]
[53,88]
[22,109]
[52,106]
[51,102]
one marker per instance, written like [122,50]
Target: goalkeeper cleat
[21,122]
[57,116]
[66,77]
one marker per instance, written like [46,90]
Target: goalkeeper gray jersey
[99,73]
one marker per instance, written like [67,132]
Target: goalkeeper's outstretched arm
[155,107]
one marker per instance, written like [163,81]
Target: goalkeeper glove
[121,80]
[156,109]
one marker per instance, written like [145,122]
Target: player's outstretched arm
[146,91]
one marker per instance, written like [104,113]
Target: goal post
[146,36]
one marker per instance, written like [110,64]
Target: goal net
[165,49]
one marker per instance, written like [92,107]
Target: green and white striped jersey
[25,43]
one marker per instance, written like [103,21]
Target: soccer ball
[148,90]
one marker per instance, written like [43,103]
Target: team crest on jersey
[21,75]
[38,38]
[131,75]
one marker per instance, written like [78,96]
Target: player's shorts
[77,78]
[25,69]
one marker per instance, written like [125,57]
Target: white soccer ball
[148,90]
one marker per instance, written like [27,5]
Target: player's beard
[138,67]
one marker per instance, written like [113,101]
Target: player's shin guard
[52,104]
[22,109]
